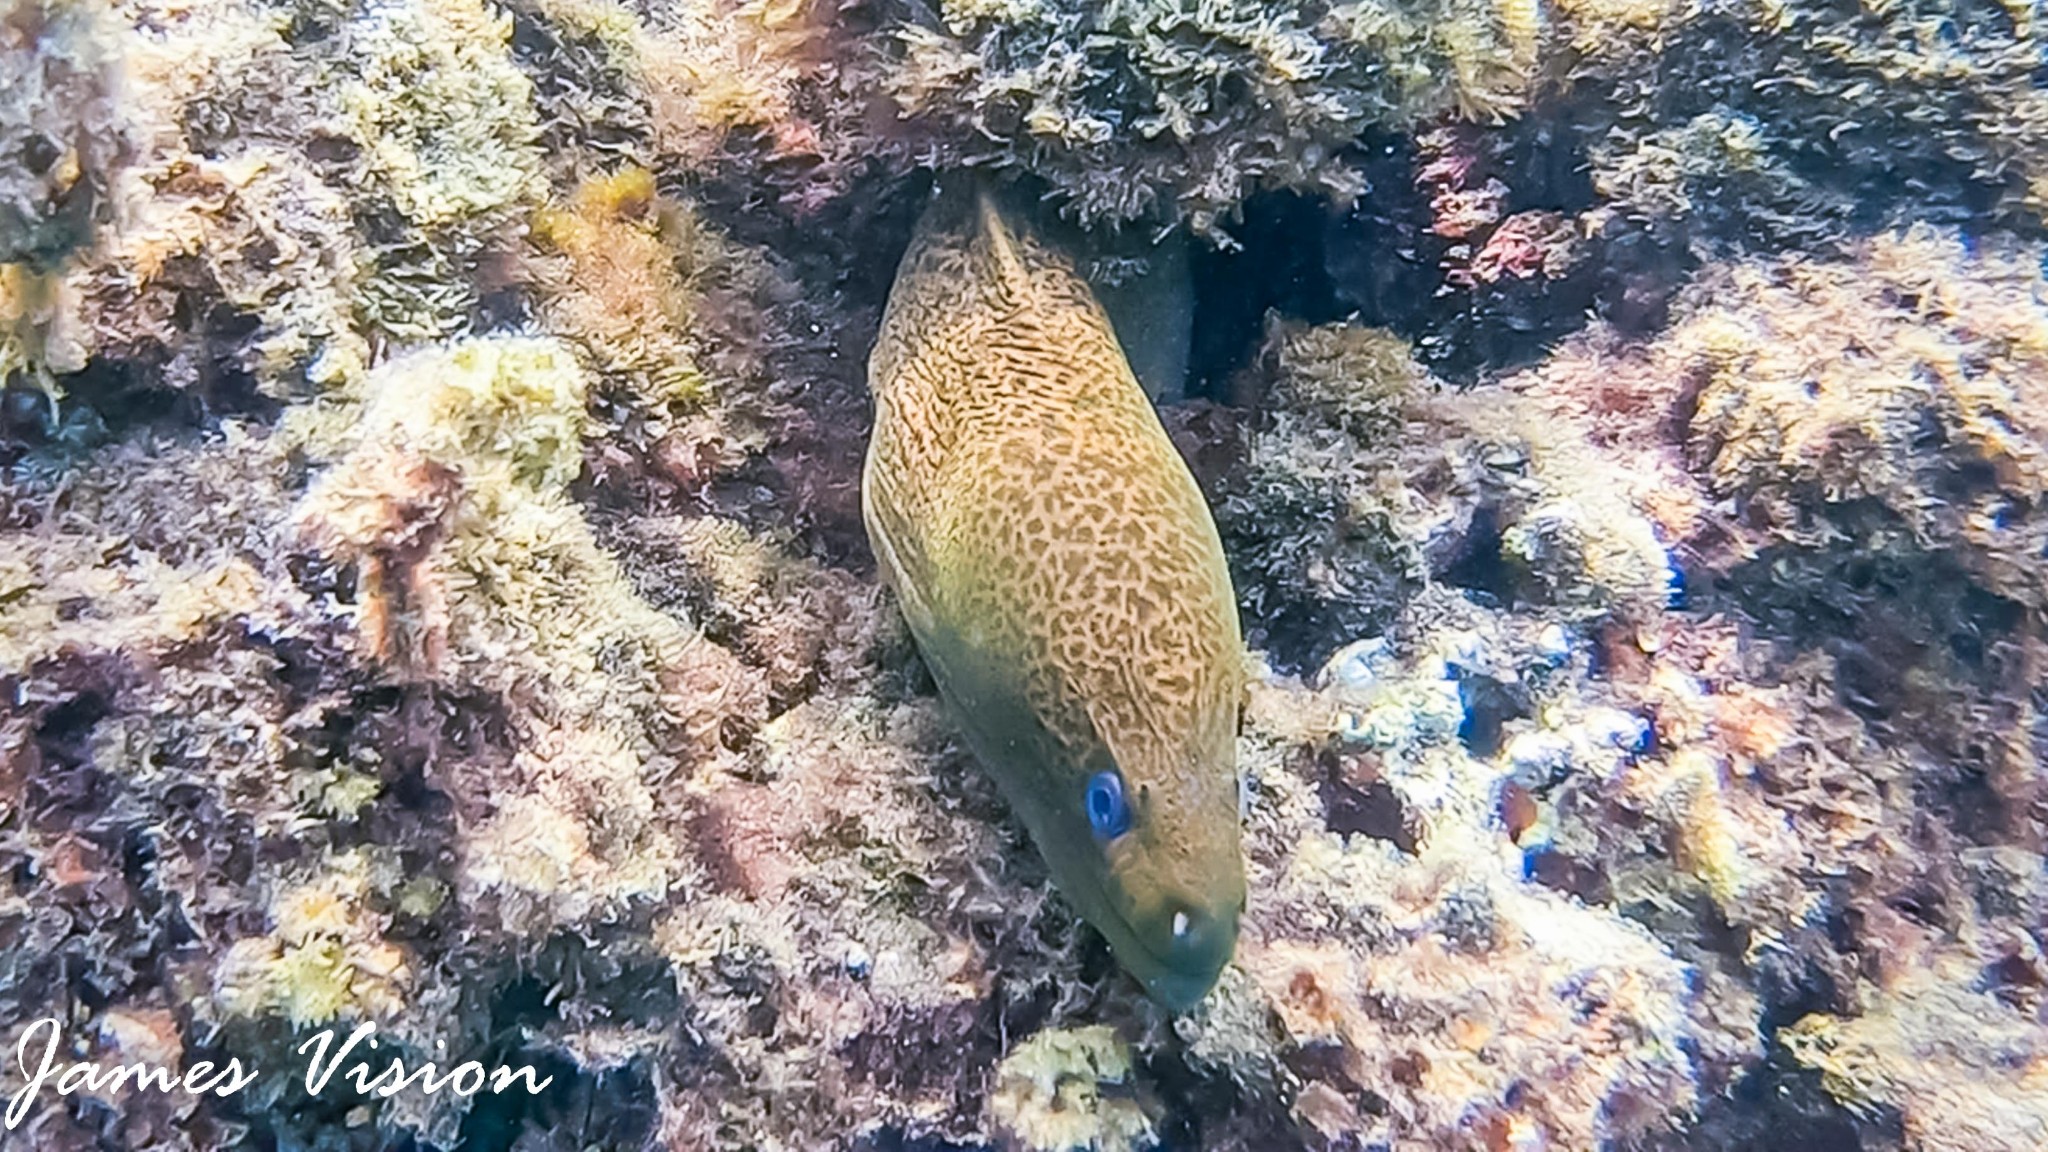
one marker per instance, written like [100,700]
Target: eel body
[1064,581]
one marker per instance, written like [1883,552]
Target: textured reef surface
[433,592]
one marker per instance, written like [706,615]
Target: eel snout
[1190,944]
[1177,932]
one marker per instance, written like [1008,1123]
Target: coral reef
[59,126]
[474,572]
[1424,993]
[432,596]
[445,136]
[1853,723]
[1049,1094]
[1368,483]
[1778,701]
[1829,404]
[1157,110]
[1959,1069]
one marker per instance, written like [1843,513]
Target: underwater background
[433,589]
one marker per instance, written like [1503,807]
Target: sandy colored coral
[1824,386]
[623,288]
[444,120]
[1049,1096]
[475,570]
[325,956]
[1961,1069]
[446,134]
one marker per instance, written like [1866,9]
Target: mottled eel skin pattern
[1064,582]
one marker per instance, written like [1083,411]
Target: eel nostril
[1194,929]
[1197,933]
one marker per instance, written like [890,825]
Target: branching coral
[628,275]
[1721,128]
[622,287]
[445,131]
[241,265]
[772,99]
[806,626]
[1154,110]
[1365,486]
[233,260]
[476,571]
[325,955]
[446,124]
[703,71]
[261,727]
[264,245]
[1866,427]
[860,895]
[133,797]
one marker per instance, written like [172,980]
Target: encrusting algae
[1065,583]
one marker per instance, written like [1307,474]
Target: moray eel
[1064,582]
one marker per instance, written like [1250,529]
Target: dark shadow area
[108,399]
[1357,802]
[611,1111]
[1279,267]
[1777,1107]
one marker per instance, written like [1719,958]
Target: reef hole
[1357,801]
[1489,705]
[1472,560]
[1278,267]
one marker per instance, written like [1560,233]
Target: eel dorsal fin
[1012,278]
[1144,284]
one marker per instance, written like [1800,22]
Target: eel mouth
[1180,978]
[1179,992]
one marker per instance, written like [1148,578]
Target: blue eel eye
[1108,813]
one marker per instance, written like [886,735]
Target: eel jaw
[1180,978]
[1178,992]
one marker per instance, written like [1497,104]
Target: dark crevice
[1383,261]
[580,1109]
[1279,267]
[109,399]
[1475,562]
[1374,810]
[1776,1107]
[1357,802]
[838,263]
[1489,705]
[1203,1110]
[1585,879]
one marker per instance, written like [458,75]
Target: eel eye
[1108,813]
